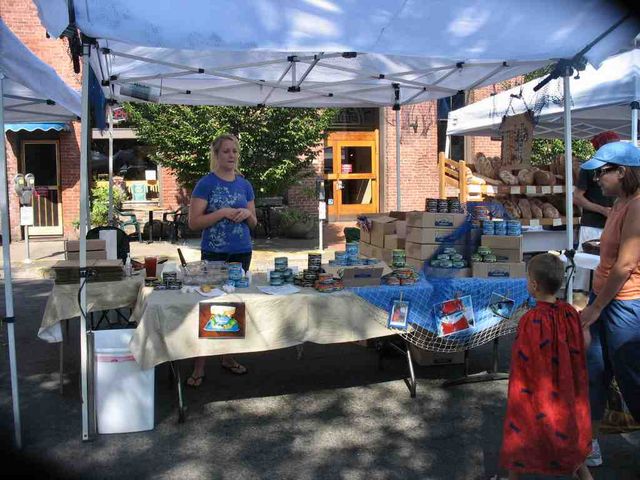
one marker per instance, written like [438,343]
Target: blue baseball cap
[617,153]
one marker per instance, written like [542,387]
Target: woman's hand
[240,215]
[589,316]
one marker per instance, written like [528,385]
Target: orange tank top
[609,246]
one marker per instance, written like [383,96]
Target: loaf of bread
[507,177]
[543,177]
[526,176]
[536,210]
[549,211]
[511,209]
[525,208]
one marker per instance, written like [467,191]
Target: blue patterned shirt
[225,236]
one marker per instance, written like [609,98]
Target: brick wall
[21,16]
[303,196]
[418,156]
[173,195]
[485,144]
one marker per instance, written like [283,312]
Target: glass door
[41,157]
[351,173]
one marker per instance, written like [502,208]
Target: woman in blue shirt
[223,207]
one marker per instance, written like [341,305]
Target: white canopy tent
[595,101]
[600,100]
[30,91]
[318,53]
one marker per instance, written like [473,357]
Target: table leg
[488,376]
[411,382]
[181,407]
[61,387]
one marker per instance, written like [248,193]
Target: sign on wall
[517,140]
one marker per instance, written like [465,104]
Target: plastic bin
[124,393]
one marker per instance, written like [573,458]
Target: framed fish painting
[221,320]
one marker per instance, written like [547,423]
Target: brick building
[358,162]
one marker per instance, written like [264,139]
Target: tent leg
[8,286]
[87,410]
[635,106]
[110,217]
[398,196]
[568,169]
[447,147]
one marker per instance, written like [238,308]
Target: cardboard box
[426,358]
[401,229]
[365,236]
[506,255]
[398,215]
[447,272]
[393,242]
[381,226]
[91,255]
[415,263]
[366,250]
[435,220]
[361,277]
[376,252]
[387,256]
[499,270]
[431,235]
[502,241]
[74,245]
[509,248]
[421,251]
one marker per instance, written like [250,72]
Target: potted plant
[296,223]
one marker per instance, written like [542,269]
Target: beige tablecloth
[63,302]
[168,323]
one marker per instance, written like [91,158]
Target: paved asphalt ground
[332,414]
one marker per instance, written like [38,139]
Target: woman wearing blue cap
[612,318]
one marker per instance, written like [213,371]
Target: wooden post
[462,180]
[441,175]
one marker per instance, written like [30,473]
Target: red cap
[603,138]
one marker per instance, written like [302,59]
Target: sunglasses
[604,170]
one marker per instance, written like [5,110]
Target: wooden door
[42,158]
[351,173]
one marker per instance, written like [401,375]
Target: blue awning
[32,127]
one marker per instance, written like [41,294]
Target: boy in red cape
[547,429]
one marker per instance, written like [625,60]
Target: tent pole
[447,147]
[110,218]
[84,197]
[568,169]
[635,106]
[398,196]
[8,286]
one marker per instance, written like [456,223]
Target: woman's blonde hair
[215,148]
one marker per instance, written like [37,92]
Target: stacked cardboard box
[427,231]
[508,250]
[96,249]
[387,234]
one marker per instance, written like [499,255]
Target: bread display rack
[487,181]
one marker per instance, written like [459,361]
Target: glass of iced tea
[150,265]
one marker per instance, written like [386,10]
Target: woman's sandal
[194,382]
[236,369]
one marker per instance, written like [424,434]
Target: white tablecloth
[63,302]
[168,323]
[587,260]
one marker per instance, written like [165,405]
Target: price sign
[322,210]
[26,216]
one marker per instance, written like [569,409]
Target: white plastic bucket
[124,393]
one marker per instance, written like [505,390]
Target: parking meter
[24,186]
[320,189]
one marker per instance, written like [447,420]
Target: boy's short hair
[548,270]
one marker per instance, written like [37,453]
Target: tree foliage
[277,144]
